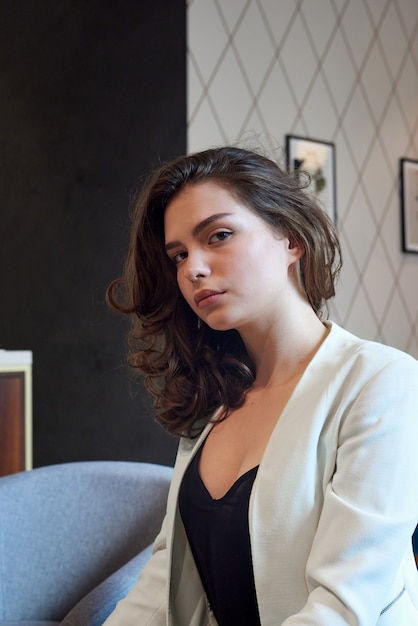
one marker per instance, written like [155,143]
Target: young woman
[294,493]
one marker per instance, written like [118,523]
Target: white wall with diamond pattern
[344,71]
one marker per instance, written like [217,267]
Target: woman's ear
[295,249]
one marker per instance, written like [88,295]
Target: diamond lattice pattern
[344,71]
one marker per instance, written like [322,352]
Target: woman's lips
[207,297]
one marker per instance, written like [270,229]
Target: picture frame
[409,204]
[316,157]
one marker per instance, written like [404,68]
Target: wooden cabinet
[15,411]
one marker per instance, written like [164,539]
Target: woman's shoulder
[369,354]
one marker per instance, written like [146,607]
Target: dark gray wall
[92,94]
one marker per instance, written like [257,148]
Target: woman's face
[232,268]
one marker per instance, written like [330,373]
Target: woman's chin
[219,324]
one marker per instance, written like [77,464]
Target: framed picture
[409,204]
[318,159]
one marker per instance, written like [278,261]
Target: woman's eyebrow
[198,229]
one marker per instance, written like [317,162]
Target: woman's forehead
[198,202]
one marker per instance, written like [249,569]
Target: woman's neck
[283,350]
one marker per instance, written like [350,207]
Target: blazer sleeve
[146,602]
[370,506]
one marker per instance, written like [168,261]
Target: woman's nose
[196,268]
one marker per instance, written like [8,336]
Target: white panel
[230,95]
[357,31]
[321,21]
[319,111]
[256,51]
[339,70]
[297,56]
[207,36]
[277,103]
[393,39]
[376,82]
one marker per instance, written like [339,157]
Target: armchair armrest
[97,605]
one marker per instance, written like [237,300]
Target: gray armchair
[74,537]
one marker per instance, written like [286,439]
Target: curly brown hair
[191,369]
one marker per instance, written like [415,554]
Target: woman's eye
[179,257]
[221,235]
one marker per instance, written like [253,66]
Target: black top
[219,538]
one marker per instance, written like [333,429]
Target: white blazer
[332,509]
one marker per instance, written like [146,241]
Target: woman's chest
[237,444]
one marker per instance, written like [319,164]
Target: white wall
[344,71]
